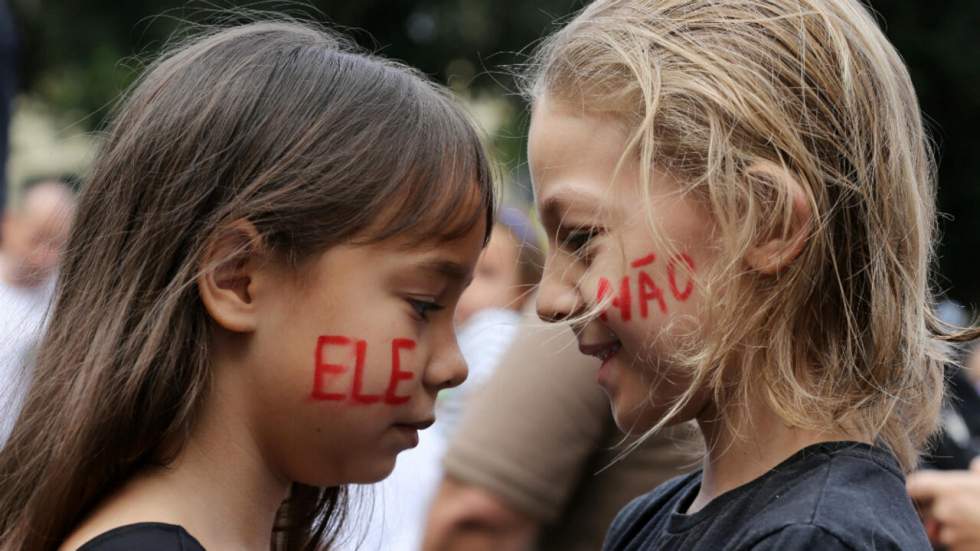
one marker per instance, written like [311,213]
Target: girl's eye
[576,241]
[423,308]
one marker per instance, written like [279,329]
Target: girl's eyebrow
[555,204]
[449,269]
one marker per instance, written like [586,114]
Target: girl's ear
[779,249]
[228,274]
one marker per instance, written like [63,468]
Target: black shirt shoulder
[836,495]
[145,536]
[631,521]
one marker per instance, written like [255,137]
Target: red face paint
[396,373]
[621,301]
[672,276]
[357,393]
[323,371]
[645,261]
[604,289]
[649,291]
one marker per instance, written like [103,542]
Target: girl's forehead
[555,122]
[565,144]
[452,212]
[458,248]
[558,200]
[450,261]
[579,165]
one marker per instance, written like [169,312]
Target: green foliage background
[77,56]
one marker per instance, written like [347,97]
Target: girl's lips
[410,431]
[420,425]
[603,351]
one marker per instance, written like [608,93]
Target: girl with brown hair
[741,198]
[256,302]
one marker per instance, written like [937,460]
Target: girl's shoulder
[648,513]
[146,536]
[826,496]
[847,493]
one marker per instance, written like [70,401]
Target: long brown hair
[282,124]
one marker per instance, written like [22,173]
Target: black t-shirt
[835,495]
[144,536]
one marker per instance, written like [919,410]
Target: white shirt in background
[22,317]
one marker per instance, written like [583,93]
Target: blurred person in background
[946,489]
[487,319]
[949,504]
[535,462]
[958,441]
[8,56]
[488,314]
[34,234]
[508,270]
[972,365]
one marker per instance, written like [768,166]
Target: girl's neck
[763,442]
[218,488]
[223,488]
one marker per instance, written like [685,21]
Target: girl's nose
[448,368]
[558,298]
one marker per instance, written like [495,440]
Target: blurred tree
[79,55]
[940,43]
[74,58]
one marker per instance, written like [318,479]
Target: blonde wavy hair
[845,338]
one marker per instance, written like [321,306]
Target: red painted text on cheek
[672,276]
[647,290]
[621,301]
[396,372]
[325,372]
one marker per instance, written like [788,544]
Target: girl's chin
[363,471]
[371,476]
[629,420]
[635,417]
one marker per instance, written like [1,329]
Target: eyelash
[577,241]
[422,308]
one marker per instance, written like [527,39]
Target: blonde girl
[740,198]
[256,302]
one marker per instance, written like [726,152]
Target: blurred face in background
[35,234]
[972,364]
[497,279]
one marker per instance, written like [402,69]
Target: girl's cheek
[652,286]
[340,371]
